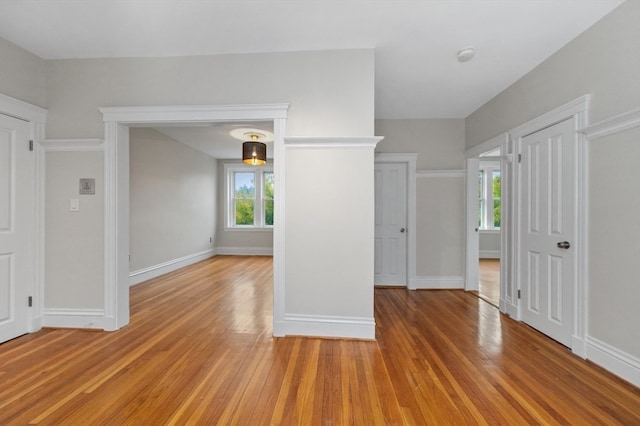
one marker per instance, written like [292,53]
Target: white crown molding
[144,274]
[616,124]
[21,109]
[332,142]
[194,113]
[72,145]
[440,174]
[328,326]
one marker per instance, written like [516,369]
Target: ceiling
[417,74]
[214,138]
[416,41]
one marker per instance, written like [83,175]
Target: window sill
[254,229]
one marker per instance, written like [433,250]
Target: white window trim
[487,198]
[229,170]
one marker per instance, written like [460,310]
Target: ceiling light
[466,54]
[254,152]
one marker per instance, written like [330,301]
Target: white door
[391,223]
[547,258]
[15,265]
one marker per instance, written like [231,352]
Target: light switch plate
[74,205]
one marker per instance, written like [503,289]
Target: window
[249,198]
[489,198]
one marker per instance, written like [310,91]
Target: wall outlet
[210,239]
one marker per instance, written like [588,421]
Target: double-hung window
[489,197]
[249,197]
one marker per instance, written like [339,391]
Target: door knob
[402,229]
[564,244]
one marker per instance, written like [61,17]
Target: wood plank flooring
[489,280]
[199,351]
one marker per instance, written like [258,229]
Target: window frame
[259,211]
[486,199]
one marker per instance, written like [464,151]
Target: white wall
[605,62]
[238,241]
[22,74]
[173,202]
[74,241]
[440,145]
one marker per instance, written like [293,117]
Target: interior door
[15,270]
[547,230]
[390,224]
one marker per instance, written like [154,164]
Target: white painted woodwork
[547,276]
[391,224]
[15,219]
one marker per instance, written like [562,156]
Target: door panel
[15,266]
[548,207]
[390,224]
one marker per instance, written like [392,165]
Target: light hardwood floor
[199,351]
[489,285]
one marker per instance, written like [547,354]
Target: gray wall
[22,74]
[74,241]
[172,206]
[244,239]
[336,100]
[603,61]
[439,144]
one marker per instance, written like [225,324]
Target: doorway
[117,121]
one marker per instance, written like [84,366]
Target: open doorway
[186,205]
[117,122]
[488,171]
[489,221]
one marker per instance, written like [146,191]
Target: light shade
[254,153]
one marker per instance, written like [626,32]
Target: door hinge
[31,145]
[518,294]
[519,158]
[30,301]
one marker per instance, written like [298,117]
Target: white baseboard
[614,360]
[489,254]
[436,283]
[145,274]
[74,318]
[245,251]
[326,326]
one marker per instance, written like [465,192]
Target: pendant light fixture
[253,151]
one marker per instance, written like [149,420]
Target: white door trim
[116,120]
[37,117]
[411,161]
[577,110]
